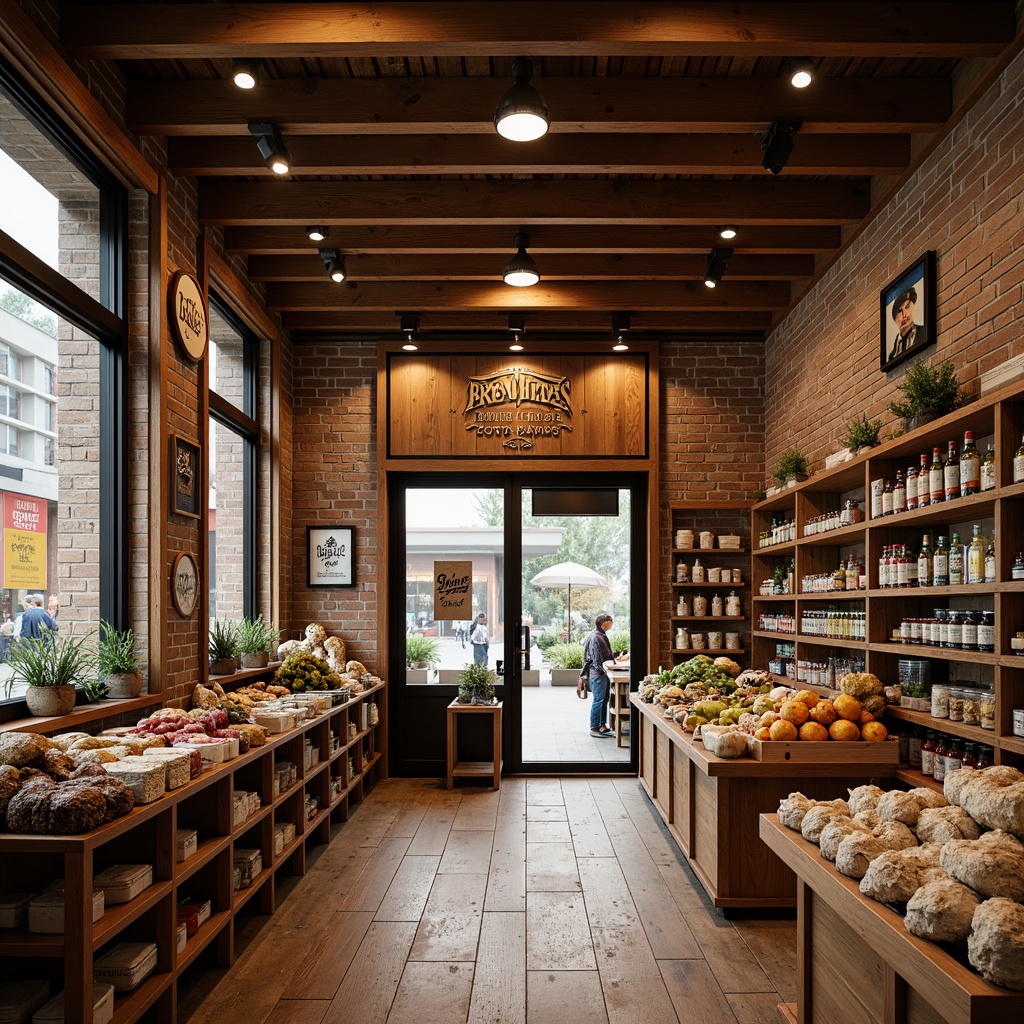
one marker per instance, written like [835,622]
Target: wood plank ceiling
[658,111]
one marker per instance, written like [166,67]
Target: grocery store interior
[511,513]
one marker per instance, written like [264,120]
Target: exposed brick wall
[967,203]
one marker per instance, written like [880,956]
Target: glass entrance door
[511,572]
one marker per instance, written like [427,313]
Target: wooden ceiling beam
[566,295]
[460,106]
[555,238]
[848,155]
[575,267]
[521,203]
[908,29]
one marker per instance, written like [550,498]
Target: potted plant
[50,666]
[567,659]
[118,662]
[928,392]
[792,467]
[476,684]
[421,655]
[223,647]
[862,433]
[254,639]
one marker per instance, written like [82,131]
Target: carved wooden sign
[517,405]
[190,324]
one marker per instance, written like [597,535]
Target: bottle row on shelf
[835,624]
[966,630]
[935,756]
[849,575]
[949,563]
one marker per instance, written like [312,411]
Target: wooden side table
[464,769]
[618,700]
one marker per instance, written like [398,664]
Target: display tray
[825,751]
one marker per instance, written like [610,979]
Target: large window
[63,344]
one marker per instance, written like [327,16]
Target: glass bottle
[970,466]
[940,563]
[941,751]
[1017,572]
[988,469]
[956,561]
[923,486]
[915,741]
[987,632]
[911,485]
[936,484]
[984,757]
[970,757]
[839,578]
[1018,463]
[976,557]
[951,473]
[887,499]
[954,628]
[883,567]
[899,493]
[928,753]
[954,756]
[990,561]
[732,604]
[925,563]
[969,631]
[698,571]
[716,604]
[910,556]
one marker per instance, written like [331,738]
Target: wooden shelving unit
[148,834]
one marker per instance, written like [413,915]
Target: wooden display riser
[857,964]
[711,806]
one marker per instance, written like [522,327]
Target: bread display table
[711,806]
[857,964]
[466,769]
[618,700]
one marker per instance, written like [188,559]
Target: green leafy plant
[94,689]
[420,649]
[52,659]
[929,389]
[115,652]
[545,641]
[619,639]
[476,684]
[791,464]
[758,494]
[565,655]
[255,635]
[862,433]
[223,640]
[303,671]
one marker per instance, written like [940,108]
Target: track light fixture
[800,71]
[244,71]
[271,146]
[335,264]
[409,324]
[777,144]
[717,259]
[727,232]
[316,232]
[517,327]
[521,271]
[621,323]
[522,114]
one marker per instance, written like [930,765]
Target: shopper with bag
[597,660]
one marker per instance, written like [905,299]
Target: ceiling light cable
[522,114]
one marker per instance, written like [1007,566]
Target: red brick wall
[965,202]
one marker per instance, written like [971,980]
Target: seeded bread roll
[941,910]
[864,798]
[856,852]
[995,946]
[990,869]
[834,832]
[940,824]
[21,748]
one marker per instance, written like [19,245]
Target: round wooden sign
[185,584]
[189,321]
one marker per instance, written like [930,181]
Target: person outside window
[597,660]
[480,639]
[35,619]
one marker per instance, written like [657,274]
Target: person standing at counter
[597,659]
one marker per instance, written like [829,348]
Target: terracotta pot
[222,667]
[259,660]
[50,701]
[124,684]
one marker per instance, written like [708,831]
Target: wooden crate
[825,752]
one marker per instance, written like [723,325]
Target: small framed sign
[185,584]
[190,324]
[907,312]
[186,478]
[331,556]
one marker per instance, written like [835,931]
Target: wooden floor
[548,902]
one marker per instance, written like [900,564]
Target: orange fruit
[813,731]
[865,717]
[848,707]
[823,713]
[874,732]
[844,731]
[795,711]
[809,697]
[782,730]
[764,733]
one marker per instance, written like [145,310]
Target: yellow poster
[453,591]
[24,551]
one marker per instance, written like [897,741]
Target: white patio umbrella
[568,574]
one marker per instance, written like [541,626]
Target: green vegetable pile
[302,671]
[699,671]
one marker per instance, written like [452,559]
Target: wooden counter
[857,964]
[711,806]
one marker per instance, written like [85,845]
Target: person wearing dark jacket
[597,659]
[35,619]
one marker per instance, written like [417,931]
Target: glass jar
[698,572]
[940,700]
[682,572]
[941,751]
[700,605]
[928,754]
[972,705]
[732,604]
[987,710]
[714,640]
[987,632]
[697,641]
[955,705]
[682,638]
[954,628]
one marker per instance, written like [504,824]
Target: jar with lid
[682,572]
[716,605]
[683,605]
[984,757]
[941,752]
[987,632]
[954,756]
[732,604]
[940,631]
[972,705]
[852,513]
[700,605]
[969,631]
[698,575]
[987,710]
[954,628]
[970,758]
[682,638]
[928,753]
[955,705]
[940,700]
[914,744]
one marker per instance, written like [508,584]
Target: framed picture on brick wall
[331,556]
[907,312]
[186,478]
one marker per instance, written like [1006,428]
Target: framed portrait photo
[331,556]
[907,312]
[186,478]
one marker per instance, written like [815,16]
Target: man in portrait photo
[907,330]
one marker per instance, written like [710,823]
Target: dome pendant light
[522,114]
[517,327]
[410,325]
[521,271]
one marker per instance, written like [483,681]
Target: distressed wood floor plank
[755,1007]
[324,963]
[551,867]
[411,814]
[372,884]
[467,853]
[695,992]
[499,986]
[450,926]
[433,831]
[478,809]
[565,997]
[548,832]
[773,943]
[589,836]
[558,933]
[543,791]
[546,812]
[432,993]
[305,1011]
[407,895]
[506,880]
